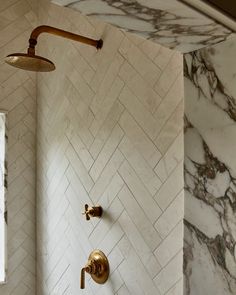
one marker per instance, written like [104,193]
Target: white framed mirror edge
[3,192]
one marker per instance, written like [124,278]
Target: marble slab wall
[210,170]
[167,22]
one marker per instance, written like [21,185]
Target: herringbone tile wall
[109,133]
[17,97]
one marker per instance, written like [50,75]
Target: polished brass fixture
[92,211]
[97,267]
[31,62]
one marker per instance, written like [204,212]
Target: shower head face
[28,62]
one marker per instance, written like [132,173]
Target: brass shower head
[28,62]
[31,62]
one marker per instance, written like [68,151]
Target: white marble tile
[143,65]
[140,88]
[79,168]
[134,273]
[171,245]
[169,102]
[143,170]
[177,289]
[112,238]
[170,274]
[141,194]
[111,191]
[171,129]
[169,75]
[107,151]
[144,252]
[136,109]
[115,258]
[138,217]
[171,188]
[139,139]
[106,176]
[110,216]
[103,89]
[123,291]
[105,105]
[171,216]
[106,129]
[171,159]
[163,57]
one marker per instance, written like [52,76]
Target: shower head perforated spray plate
[30,62]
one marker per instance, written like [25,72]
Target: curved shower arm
[58,32]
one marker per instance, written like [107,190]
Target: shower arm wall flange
[58,32]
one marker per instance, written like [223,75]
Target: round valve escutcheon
[97,267]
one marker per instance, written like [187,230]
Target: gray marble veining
[170,22]
[210,171]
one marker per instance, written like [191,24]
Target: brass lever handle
[92,211]
[91,268]
[82,278]
[97,267]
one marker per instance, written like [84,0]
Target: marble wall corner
[209,170]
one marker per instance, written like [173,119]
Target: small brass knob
[97,267]
[92,211]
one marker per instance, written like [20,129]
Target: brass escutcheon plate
[100,258]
